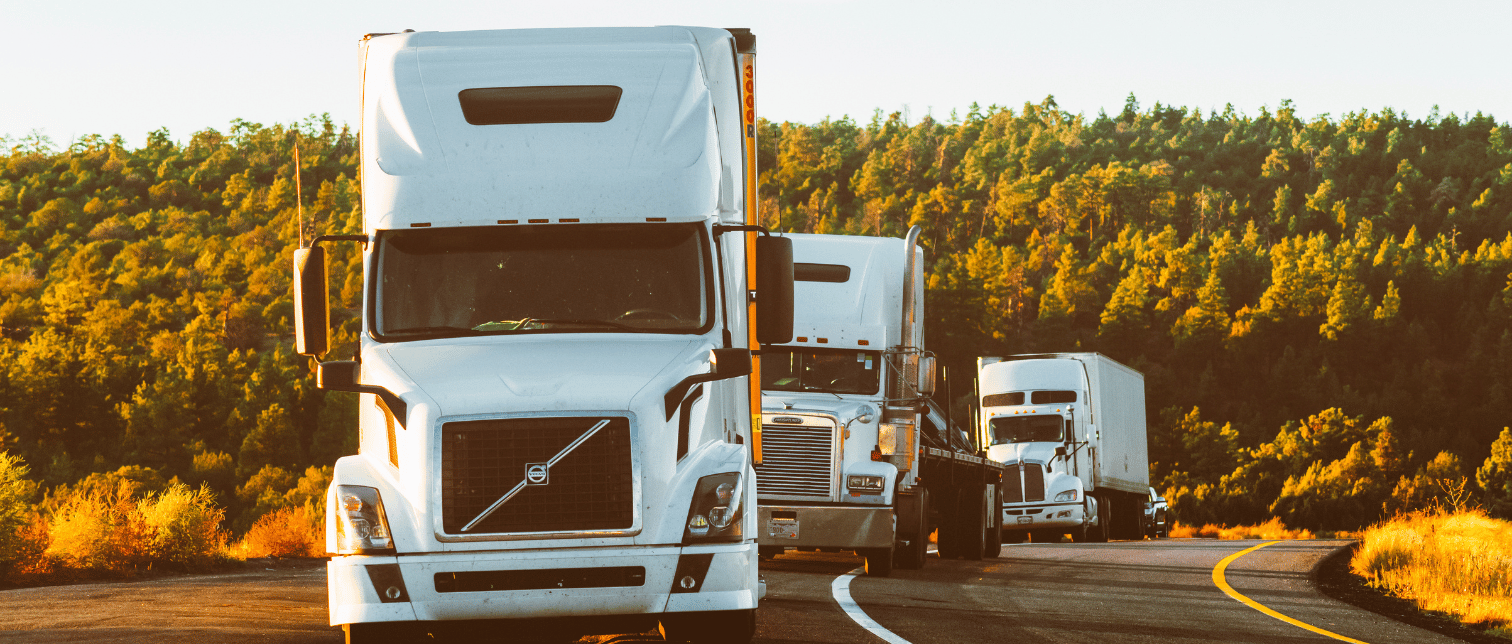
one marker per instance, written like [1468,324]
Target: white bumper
[729,584]
[1040,516]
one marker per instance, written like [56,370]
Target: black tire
[1083,533]
[912,555]
[879,561]
[971,518]
[735,626]
[994,546]
[1099,534]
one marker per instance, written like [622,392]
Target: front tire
[379,633]
[879,561]
[971,517]
[735,626]
[912,555]
[994,545]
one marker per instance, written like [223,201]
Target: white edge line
[840,588]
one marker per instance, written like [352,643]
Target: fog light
[687,582]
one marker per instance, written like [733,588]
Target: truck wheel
[911,556]
[1099,534]
[971,517]
[737,626]
[1083,533]
[879,561]
[947,533]
[994,545]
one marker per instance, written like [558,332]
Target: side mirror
[336,375]
[1060,450]
[731,363]
[926,375]
[312,312]
[774,289]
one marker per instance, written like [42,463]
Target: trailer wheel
[737,626]
[971,518]
[947,537]
[879,561]
[912,555]
[994,546]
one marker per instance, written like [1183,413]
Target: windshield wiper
[439,330]
[520,325]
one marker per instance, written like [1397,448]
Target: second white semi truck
[855,455]
[1071,427]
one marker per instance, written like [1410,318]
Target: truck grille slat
[796,461]
[589,489]
[1024,483]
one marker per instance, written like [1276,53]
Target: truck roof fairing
[672,147]
[1003,377]
[863,307]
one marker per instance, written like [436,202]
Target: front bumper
[355,583]
[825,526]
[1042,516]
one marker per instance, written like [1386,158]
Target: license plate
[1026,519]
[782,528]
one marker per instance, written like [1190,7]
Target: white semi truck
[562,293]
[855,455]
[1071,427]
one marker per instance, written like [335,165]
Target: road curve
[1150,591]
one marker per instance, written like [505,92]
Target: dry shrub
[116,533]
[184,527]
[1453,562]
[286,532]
[16,492]
[100,531]
[1270,530]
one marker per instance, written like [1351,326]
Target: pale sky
[90,66]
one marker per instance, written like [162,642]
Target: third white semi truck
[855,455]
[1071,427]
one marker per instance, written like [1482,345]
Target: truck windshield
[1026,429]
[835,371]
[587,278]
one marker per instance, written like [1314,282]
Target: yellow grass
[1453,562]
[1272,529]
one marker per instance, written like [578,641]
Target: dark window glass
[1003,400]
[544,104]
[1026,429]
[835,371]
[821,272]
[1052,397]
[594,278]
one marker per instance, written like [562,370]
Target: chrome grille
[796,460]
[589,489]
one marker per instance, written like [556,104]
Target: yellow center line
[1229,590]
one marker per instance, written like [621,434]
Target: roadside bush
[184,527]
[1270,530]
[1458,562]
[286,532]
[99,531]
[16,493]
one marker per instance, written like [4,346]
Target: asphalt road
[1152,591]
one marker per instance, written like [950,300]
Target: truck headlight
[864,484]
[1068,495]
[361,526]
[714,514]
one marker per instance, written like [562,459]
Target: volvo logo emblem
[537,473]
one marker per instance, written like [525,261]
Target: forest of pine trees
[1322,308]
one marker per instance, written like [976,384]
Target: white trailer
[855,456]
[555,362]
[1071,427]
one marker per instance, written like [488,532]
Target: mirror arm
[395,404]
[355,238]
